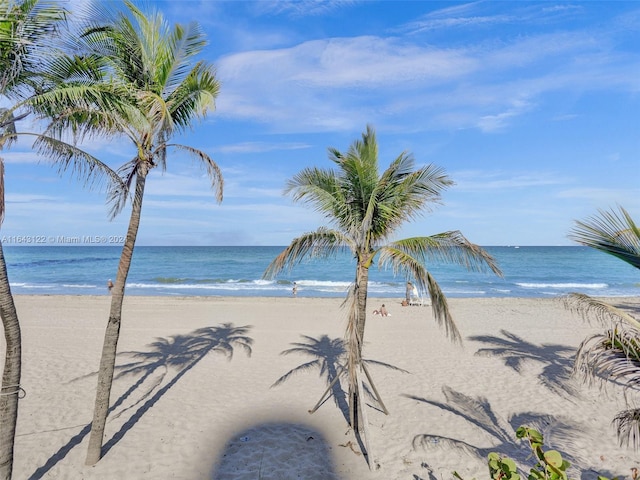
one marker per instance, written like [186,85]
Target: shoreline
[223,419]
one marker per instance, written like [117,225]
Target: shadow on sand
[559,433]
[276,451]
[329,358]
[556,360]
[167,358]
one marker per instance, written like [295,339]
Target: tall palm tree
[366,208]
[613,355]
[25,29]
[137,79]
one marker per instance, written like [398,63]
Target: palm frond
[30,30]
[448,247]
[211,167]
[321,243]
[82,164]
[591,308]
[318,188]
[402,261]
[441,312]
[611,232]
[117,197]
[157,114]
[403,194]
[627,425]
[8,127]
[612,356]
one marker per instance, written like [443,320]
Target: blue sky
[532,108]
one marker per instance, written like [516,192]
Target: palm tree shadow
[478,412]
[329,356]
[178,354]
[631,309]
[557,360]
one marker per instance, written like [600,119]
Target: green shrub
[550,464]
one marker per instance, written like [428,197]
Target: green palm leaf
[610,232]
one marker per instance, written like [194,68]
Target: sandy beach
[180,415]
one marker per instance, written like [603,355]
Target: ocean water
[237,271]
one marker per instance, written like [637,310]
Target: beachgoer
[407,293]
[382,311]
[295,289]
[109,285]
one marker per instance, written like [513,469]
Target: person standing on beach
[295,289]
[109,285]
[407,292]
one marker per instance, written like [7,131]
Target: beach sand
[180,416]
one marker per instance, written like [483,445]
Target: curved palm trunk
[11,375]
[109,348]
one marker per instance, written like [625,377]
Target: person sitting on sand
[383,311]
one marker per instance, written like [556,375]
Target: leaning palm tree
[137,80]
[25,29]
[613,355]
[366,208]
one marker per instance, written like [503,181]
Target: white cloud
[260,147]
[342,83]
[481,181]
[302,8]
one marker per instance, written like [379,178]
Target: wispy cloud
[478,181]
[602,197]
[302,8]
[477,15]
[342,83]
[260,147]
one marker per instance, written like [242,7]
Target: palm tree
[366,209]
[25,28]
[135,78]
[613,355]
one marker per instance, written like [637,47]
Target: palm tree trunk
[355,336]
[109,348]
[362,284]
[9,395]
[353,364]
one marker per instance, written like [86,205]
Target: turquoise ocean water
[237,271]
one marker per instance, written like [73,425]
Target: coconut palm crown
[612,356]
[366,208]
